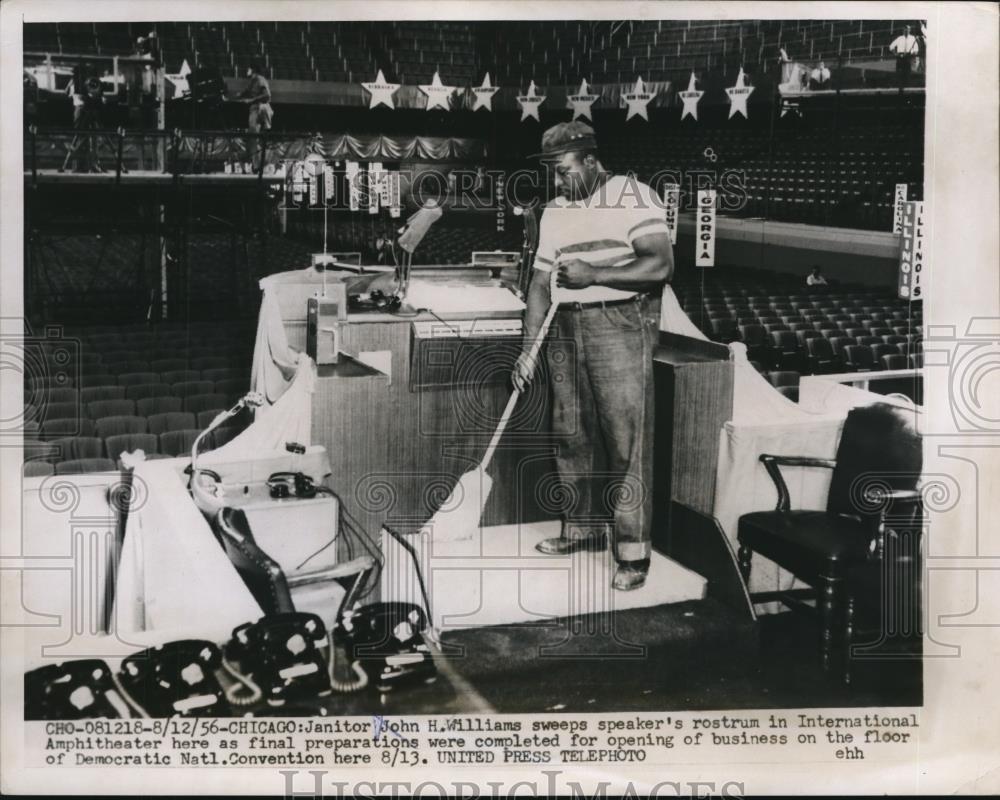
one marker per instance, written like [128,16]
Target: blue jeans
[600,364]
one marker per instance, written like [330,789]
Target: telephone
[384,638]
[176,678]
[280,657]
[73,690]
[282,485]
[376,300]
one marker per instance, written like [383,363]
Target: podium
[694,398]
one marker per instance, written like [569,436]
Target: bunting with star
[438,95]
[738,96]
[637,100]
[582,101]
[484,94]
[690,98]
[380,91]
[530,102]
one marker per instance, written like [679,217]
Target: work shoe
[561,546]
[630,575]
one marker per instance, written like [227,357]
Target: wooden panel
[396,453]
[694,398]
[703,401]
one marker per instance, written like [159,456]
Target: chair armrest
[346,570]
[771,464]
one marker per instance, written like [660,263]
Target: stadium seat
[223,435]
[142,391]
[858,358]
[916,360]
[200,402]
[880,350]
[84,465]
[110,408]
[114,426]
[37,469]
[189,388]
[178,443]
[791,392]
[232,388]
[59,428]
[95,393]
[69,410]
[820,356]
[206,417]
[58,395]
[171,421]
[133,378]
[755,339]
[180,376]
[96,379]
[210,362]
[148,406]
[162,365]
[786,351]
[114,446]
[225,374]
[780,378]
[895,361]
[72,447]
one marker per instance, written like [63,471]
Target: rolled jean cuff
[632,551]
[577,531]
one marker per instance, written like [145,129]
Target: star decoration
[438,95]
[381,91]
[484,94]
[637,100]
[738,96]
[530,103]
[690,99]
[180,80]
[582,101]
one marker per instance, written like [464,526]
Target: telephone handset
[72,690]
[280,657]
[385,639]
[176,678]
[282,485]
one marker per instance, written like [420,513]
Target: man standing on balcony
[906,49]
[258,96]
[606,240]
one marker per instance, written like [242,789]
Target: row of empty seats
[514,52]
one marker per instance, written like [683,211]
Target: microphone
[417,226]
[249,400]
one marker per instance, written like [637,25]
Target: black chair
[858,359]
[820,358]
[873,489]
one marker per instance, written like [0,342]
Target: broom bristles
[458,517]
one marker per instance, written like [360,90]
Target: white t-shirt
[904,45]
[815,280]
[599,230]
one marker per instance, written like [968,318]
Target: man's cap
[566,137]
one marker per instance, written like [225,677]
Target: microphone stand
[251,399]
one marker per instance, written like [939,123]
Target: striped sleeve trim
[591,246]
[543,264]
[654,222]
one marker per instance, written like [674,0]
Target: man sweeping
[606,239]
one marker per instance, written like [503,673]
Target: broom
[459,515]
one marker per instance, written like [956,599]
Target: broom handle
[509,410]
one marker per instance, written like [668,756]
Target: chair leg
[829,597]
[744,558]
[848,637]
